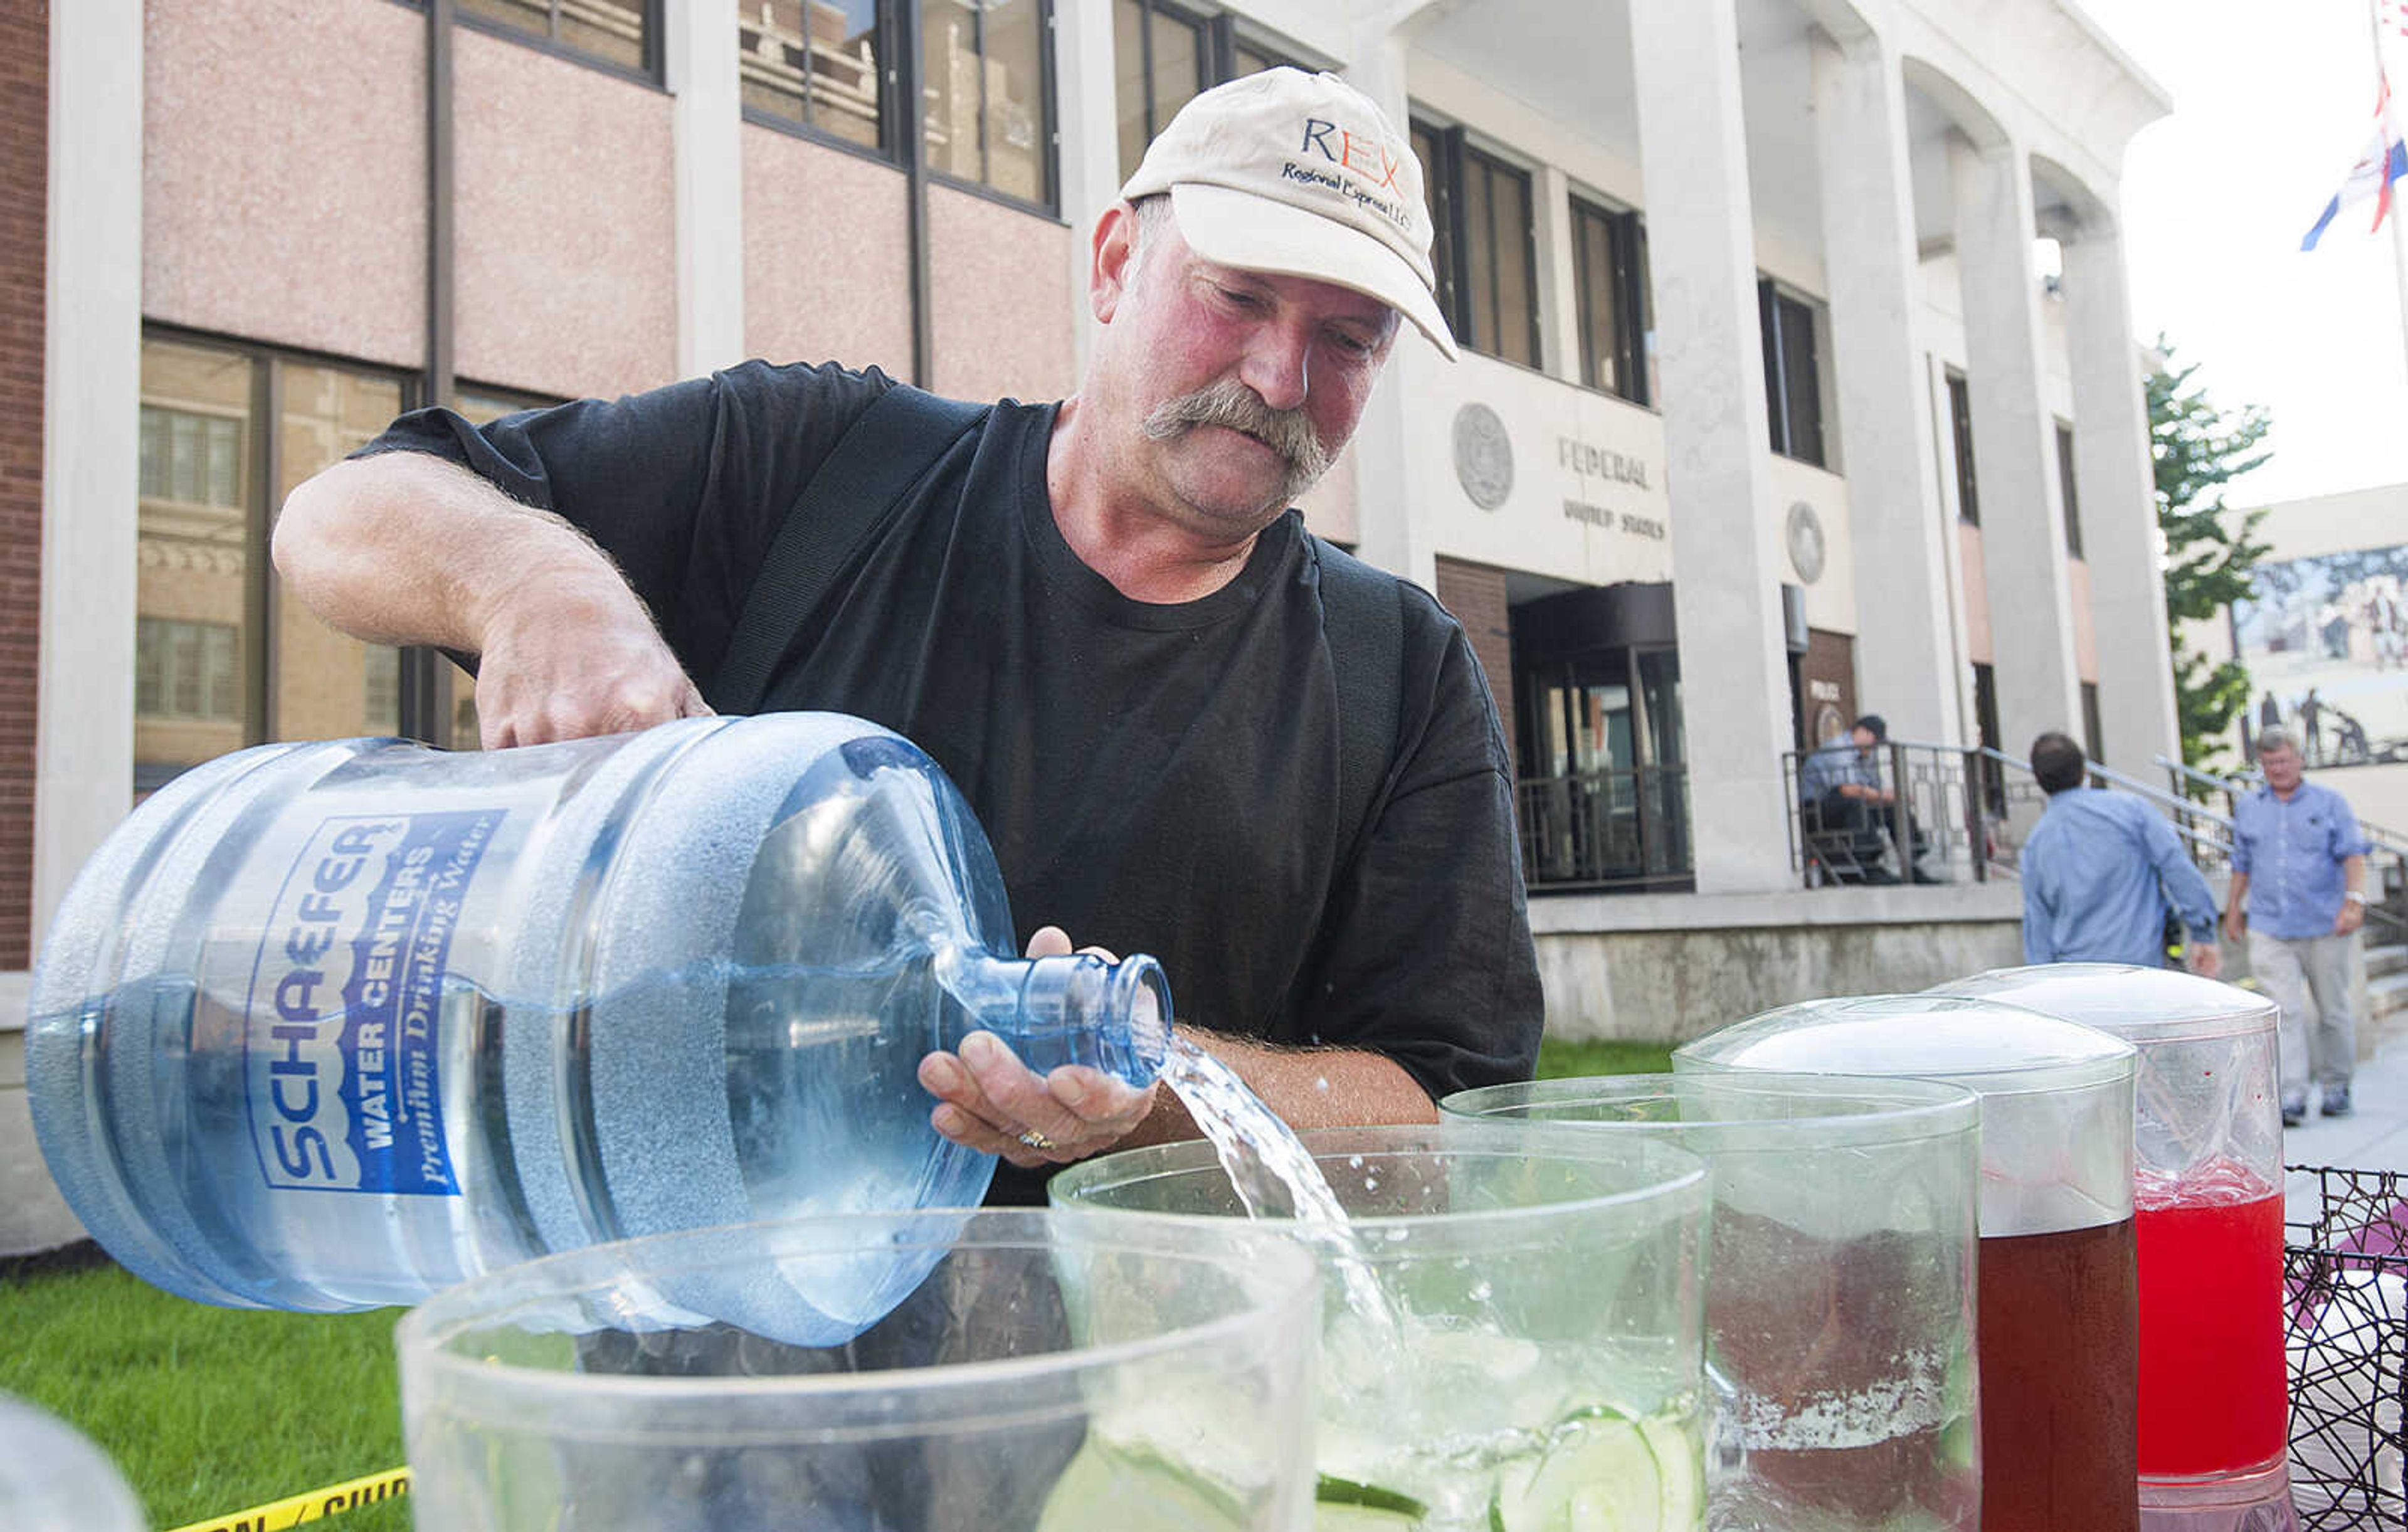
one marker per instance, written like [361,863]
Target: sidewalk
[2374,1136]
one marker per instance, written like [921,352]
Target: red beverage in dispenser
[2212,1383]
[2059,1350]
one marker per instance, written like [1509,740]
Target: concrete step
[2388,959]
[2387,995]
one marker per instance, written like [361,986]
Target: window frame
[2067,499]
[1452,158]
[911,87]
[1959,394]
[1216,61]
[889,31]
[1776,301]
[653,71]
[422,700]
[1624,231]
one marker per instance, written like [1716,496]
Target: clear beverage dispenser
[333,1025]
[1838,1284]
[2057,1311]
[2208,1199]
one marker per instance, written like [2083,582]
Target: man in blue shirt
[1839,786]
[2298,889]
[2099,870]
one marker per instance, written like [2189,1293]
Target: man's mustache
[1231,404]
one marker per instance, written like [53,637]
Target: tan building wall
[284,173]
[820,289]
[566,231]
[24,180]
[1002,320]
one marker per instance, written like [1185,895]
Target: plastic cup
[1839,1293]
[1535,1360]
[1055,1371]
[53,1479]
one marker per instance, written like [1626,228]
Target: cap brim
[1251,233]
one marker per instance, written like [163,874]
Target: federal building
[1799,377]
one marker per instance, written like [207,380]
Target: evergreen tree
[2196,448]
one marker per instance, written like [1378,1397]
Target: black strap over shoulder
[1363,620]
[904,434]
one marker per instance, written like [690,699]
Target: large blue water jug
[331,1025]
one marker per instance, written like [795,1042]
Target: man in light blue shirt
[2099,870]
[2298,889]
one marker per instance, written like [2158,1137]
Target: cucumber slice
[1341,1505]
[1107,1487]
[1332,1490]
[1598,1474]
[1681,1470]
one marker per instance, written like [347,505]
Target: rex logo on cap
[1301,176]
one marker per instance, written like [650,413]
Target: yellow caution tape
[389,1486]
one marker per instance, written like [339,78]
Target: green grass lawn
[208,1411]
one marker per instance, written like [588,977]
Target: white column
[83,772]
[2115,488]
[2015,446]
[1906,641]
[1087,110]
[1551,215]
[1390,531]
[1726,556]
[707,123]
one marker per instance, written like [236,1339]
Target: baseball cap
[1874,725]
[1300,176]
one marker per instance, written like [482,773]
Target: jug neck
[1080,1009]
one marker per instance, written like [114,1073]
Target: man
[1101,618]
[2298,889]
[2101,869]
[1842,790]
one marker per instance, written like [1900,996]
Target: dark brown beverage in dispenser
[2060,1360]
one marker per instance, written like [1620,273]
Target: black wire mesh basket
[2345,1338]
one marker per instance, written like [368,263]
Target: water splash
[1274,1174]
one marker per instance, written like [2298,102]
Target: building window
[1617,320]
[2094,736]
[621,33]
[814,64]
[1986,725]
[187,672]
[1961,433]
[1163,58]
[1793,375]
[223,657]
[988,108]
[1486,253]
[2065,490]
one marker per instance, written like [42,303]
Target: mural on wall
[2326,641]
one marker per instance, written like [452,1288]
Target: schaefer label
[341,1062]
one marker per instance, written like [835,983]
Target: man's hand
[2352,916]
[2234,923]
[989,1101]
[2203,958]
[576,666]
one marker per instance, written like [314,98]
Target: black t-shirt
[1154,777]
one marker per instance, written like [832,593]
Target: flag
[2383,161]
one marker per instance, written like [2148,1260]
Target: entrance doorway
[1604,795]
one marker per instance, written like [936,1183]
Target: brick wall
[24,162]
[1476,595]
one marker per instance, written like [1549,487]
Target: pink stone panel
[1003,306]
[2086,632]
[283,173]
[828,255]
[567,224]
[1977,595]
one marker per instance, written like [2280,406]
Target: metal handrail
[2389,840]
